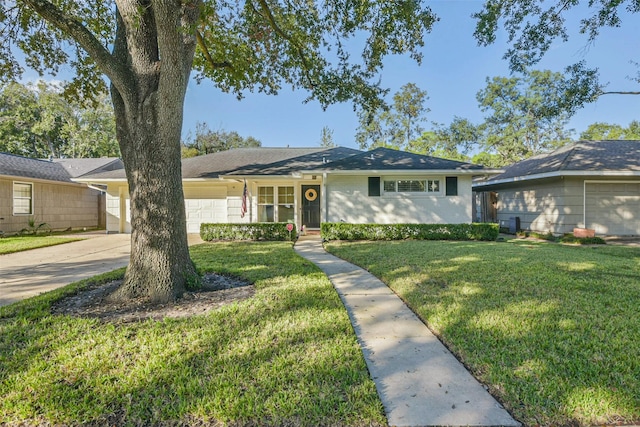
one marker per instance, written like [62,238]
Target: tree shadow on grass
[286,356]
[550,329]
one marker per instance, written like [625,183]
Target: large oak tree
[147,50]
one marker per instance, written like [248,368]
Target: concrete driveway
[28,273]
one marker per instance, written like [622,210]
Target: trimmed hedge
[276,231]
[344,231]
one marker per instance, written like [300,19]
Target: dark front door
[311,206]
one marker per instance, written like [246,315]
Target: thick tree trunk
[160,265]
[149,111]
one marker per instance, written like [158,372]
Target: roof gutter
[556,174]
[473,172]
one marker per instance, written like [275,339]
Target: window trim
[13,198]
[276,202]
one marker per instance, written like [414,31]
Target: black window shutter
[452,186]
[374,186]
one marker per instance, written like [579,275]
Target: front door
[311,206]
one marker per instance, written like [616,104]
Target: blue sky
[454,69]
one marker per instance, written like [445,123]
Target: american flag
[245,194]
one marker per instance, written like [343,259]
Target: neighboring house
[45,192]
[587,184]
[308,186]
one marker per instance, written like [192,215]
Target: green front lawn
[553,330]
[13,244]
[286,356]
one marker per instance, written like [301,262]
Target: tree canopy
[37,121]
[207,141]
[522,120]
[396,125]
[603,131]
[533,26]
[326,137]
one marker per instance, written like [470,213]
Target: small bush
[570,238]
[542,236]
[273,231]
[475,231]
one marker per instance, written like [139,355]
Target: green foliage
[550,329]
[207,141]
[344,231]
[448,142]
[604,131]
[567,238]
[397,126]
[533,27]
[524,118]
[273,231]
[570,238]
[326,138]
[37,121]
[34,227]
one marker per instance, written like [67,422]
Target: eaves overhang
[472,172]
[556,174]
[39,180]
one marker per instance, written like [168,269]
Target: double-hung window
[285,204]
[276,203]
[22,198]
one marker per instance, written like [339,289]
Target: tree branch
[620,93]
[115,71]
[207,55]
[279,31]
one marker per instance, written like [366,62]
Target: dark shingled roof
[267,161]
[248,161]
[389,160]
[13,165]
[291,161]
[54,170]
[79,167]
[581,156]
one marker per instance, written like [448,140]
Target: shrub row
[276,231]
[344,231]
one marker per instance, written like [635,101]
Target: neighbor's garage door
[613,208]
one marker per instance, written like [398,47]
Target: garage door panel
[205,205]
[613,208]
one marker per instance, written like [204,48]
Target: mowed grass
[553,330]
[13,244]
[286,356]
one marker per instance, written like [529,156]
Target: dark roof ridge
[569,153]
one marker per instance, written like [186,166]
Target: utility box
[514,224]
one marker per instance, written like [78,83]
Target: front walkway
[419,381]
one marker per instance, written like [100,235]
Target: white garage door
[205,205]
[613,208]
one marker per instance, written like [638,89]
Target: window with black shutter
[374,186]
[452,186]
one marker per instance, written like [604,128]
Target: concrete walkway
[419,381]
